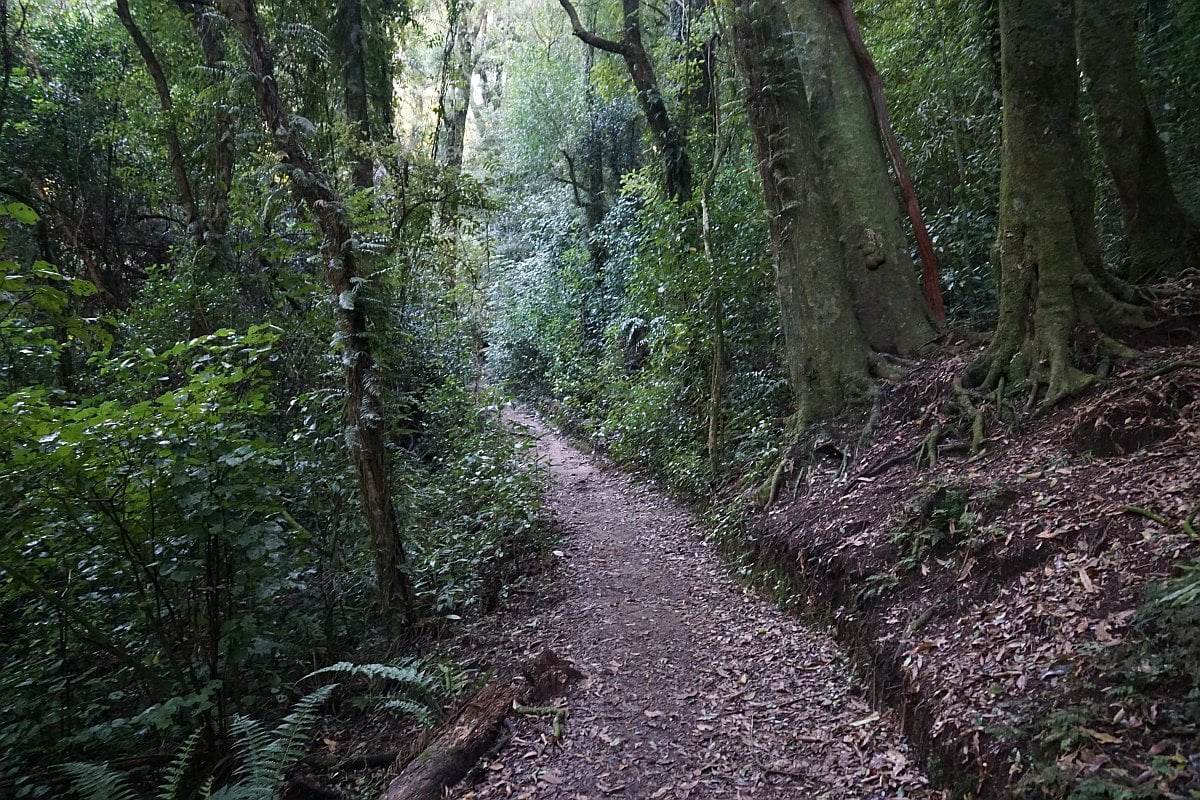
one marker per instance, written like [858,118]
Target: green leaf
[22,213]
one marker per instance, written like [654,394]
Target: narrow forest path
[695,687]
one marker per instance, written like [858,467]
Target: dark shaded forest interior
[500,398]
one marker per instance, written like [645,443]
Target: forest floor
[1000,602]
[693,686]
[1009,602]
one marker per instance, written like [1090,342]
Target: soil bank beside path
[694,687]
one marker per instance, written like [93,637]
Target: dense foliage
[183,535]
[245,368]
[610,322]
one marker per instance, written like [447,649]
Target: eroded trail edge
[695,686]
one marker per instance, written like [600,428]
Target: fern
[173,780]
[98,782]
[265,754]
[265,757]
[417,686]
[292,733]
[408,675]
[417,711]
[308,39]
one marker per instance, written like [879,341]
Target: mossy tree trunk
[222,156]
[1051,281]
[882,279]
[463,50]
[1162,240]
[828,357]
[363,421]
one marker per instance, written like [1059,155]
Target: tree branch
[586,36]
[183,183]
[83,628]
[573,181]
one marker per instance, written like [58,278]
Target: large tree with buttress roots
[1051,281]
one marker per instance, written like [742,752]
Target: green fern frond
[97,782]
[173,780]
[309,39]
[253,744]
[292,732]
[266,755]
[412,709]
[409,675]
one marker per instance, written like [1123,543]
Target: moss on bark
[827,355]
[882,279]
[1162,240]
[1051,280]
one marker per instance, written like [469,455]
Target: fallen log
[456,750]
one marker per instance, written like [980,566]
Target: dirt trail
[695,686]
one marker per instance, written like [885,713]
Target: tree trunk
[887,299]
[354,79]
[1046,248]
[214,234]
[462,53]
[1162,240]
[179,170]
[456,750]
[668,137]
[716,304]
[827,355]
[208,222]
[364,423]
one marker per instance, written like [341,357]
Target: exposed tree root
[1169,367]
[1187,524]
[558,713]
[927,451]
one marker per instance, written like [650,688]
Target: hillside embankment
[1004,578]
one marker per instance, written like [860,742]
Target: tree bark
[882,279]
[354,78]
[207,222]
[364,423]
[214,234]
[1162,240]
[716,304]
[929,265]
[464,47]
[1050,275]
[667,136]
[827,355]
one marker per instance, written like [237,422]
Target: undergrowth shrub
[473,516]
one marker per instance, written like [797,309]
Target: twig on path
[783,773]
